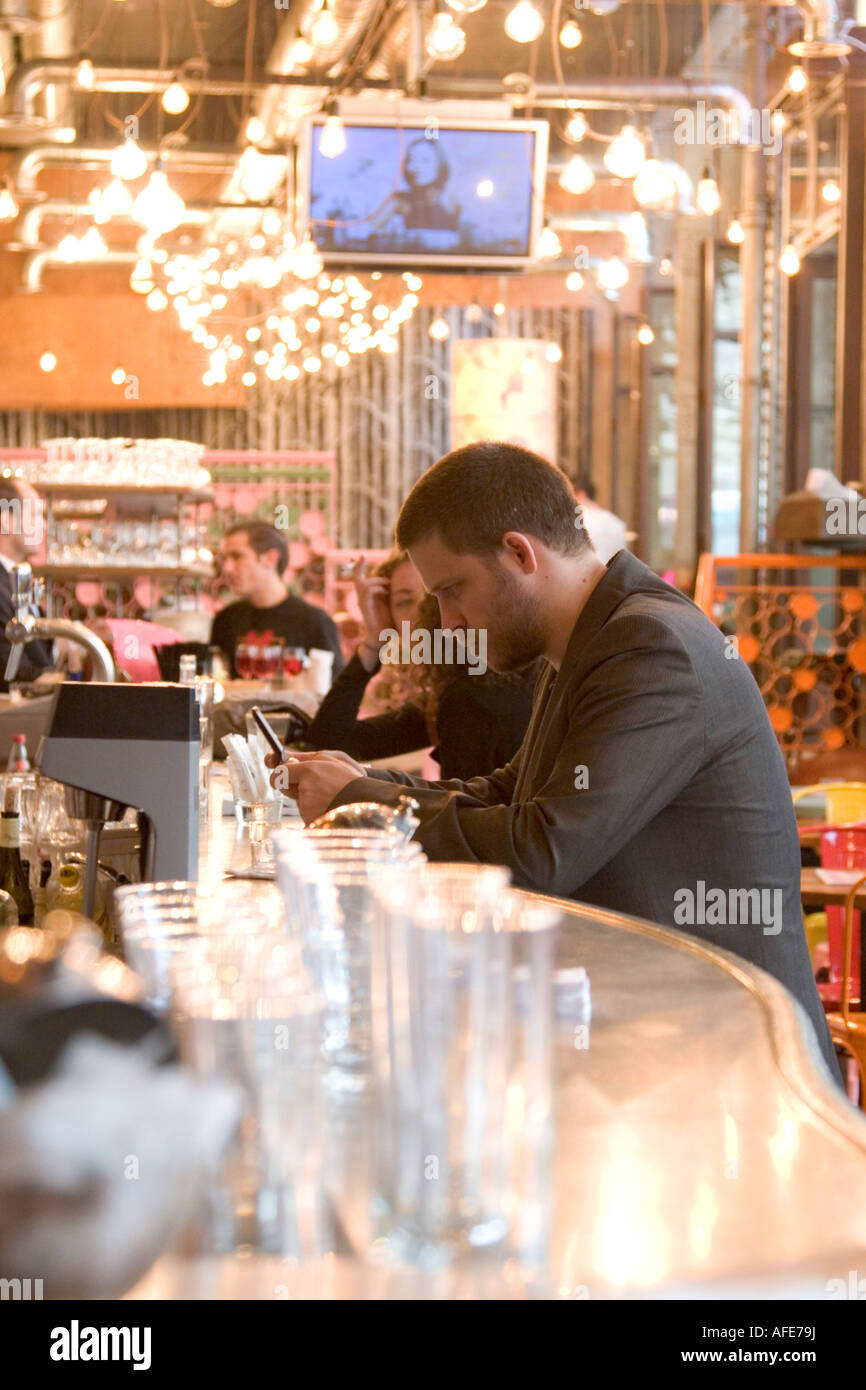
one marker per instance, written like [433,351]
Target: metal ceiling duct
[26,167]
[36,262]
[28,232]
[823,36]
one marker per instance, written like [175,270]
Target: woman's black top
[480,721]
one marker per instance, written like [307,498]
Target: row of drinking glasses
[421,990]
[121,462]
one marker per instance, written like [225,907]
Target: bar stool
[847,1028]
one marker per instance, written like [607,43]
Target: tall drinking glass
[244,1008]
[462,1026]
[327,893]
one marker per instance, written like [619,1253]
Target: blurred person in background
[20,539]
[253,558]
[474,722]
[605,529]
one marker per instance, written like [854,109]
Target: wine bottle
[13,875]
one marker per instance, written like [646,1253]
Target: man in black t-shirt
[253,558]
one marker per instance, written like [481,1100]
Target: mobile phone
[273,741]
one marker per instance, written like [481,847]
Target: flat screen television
[445,192]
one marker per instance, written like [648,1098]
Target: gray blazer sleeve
[635,724]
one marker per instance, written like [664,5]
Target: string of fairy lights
[265,305]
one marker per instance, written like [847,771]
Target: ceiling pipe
[29,227]
[823,36]
[36,262]
[640,92]
[29,79]
[26,167]
[631,225]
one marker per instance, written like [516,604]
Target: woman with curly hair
[474,722]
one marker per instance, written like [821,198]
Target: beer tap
[24,626]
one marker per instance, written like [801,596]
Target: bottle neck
[10,830]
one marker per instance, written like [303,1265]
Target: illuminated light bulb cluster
[577,176]
[789,261]
[612,275]
[625,154]
[549,246]
[655,187]
[129,161]
[577,128]
[332,141]
[570,35]
[797,79]
[315,319]
[707,197]
[8,203]
[90,247]
[445,40]
[115,200]
[736,235]
[158,207]
[175,99]
[323,30]
[525,23]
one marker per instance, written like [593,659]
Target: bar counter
[701,1151]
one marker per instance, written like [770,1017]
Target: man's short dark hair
[9,490]
[262,537]
[585,484]
[474,495]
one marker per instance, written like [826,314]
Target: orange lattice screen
[800,623]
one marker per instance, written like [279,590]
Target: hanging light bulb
[141,279]
[85,75]
[577,127]
[553,352]
[128,161]
[797,79]
[445,39]
[118,376]
[524,23]
[736,235]
[307,262]
[302,50]
[249,378]
[157,300]
[67,249]
[48,362]
[789,261]
[158,208]
[175,98]
[625,154]
[666,265]
[439,329]
[255,130]
[577,176]
[707,196]
[645,335]
[324,29]
[549,247]
[570,35]
[8,203]
[830,191]
[332,141]
[613,274]
[114,201]
[655,187]
[574,280]
[92,245]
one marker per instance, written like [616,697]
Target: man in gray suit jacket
[650,780]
